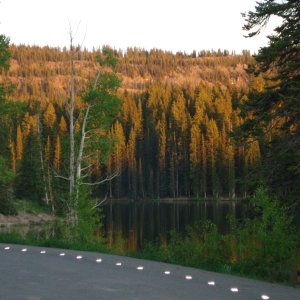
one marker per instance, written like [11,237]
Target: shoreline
[24,218]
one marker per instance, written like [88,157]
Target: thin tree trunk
[42,161]
[82,145]
[83,139]
[72,140]
[50,191]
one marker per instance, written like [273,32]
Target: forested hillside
[172,135]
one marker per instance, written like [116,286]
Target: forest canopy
[173,136]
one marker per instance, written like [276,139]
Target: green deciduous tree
[4,62]
[89,126]
[6,176]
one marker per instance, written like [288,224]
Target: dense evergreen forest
[173,135]
[176,134]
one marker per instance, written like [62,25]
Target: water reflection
[130,224]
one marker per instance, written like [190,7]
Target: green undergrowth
[263,246]
[31,207]
[54,235]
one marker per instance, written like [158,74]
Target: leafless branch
[87,167]
[62,177]
[99,204]
[88,156]
[95,130]
[108,178]
[85,175]
[84,37]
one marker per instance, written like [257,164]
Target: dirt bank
[24,218]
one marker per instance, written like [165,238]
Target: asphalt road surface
[35,273]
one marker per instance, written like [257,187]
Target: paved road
[34,273]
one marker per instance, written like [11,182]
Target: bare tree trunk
[82,144]
[42,160]
[83,140]
[50,191]
[72,106]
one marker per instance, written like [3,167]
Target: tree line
[169,140]
[173,137]
[43,73]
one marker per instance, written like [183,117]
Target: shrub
[6,196]
[266,245]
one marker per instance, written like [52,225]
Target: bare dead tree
[79,166]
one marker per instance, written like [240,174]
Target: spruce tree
[273,116]
[29,183]
[6,196]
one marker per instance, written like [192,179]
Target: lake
[132,224]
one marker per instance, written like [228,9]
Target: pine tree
[57,154]
[4,53]
[119,156]
[162,144]
[132,164]
[47,150]
[203,180]
[63,126]
[26,125]
[6,176]
[13,156]
[19,144]
[50,116]
[273,115]
[226,164]
[195,159]
[212,150]
[6,196]
[181,125]
[30,187]
[252,154]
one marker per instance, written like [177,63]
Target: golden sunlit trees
[212,152]
[227,168]
[172,137]
[19,144]
[63,129]
[57,154]
[50,116]
[26,125]
[203,168]
[162,152]
[118,157]
[181,125]
[195,159]
[132,164]
[174,141]
[186,147]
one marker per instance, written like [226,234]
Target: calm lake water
[135,223]
[129,225]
